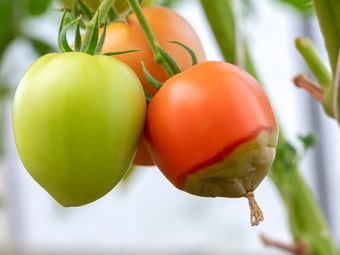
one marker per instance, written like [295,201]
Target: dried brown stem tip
[294,248]
[256,215]
[302,81]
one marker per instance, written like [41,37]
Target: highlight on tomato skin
[211,130]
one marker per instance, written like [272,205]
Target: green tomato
[77,122]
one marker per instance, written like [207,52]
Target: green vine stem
[307,223]
[228,34]
[156,50]
[306,220]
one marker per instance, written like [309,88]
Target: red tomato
[167,26]
[211,130]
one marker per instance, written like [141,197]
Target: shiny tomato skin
[77,122]
[202,115]
[167,26]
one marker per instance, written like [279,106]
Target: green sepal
[62,37]
[81,9]
[90,43]
[101,40]
[151,80]
[189,50]
[115,53]
[148,96]
[170,62]
[77,39]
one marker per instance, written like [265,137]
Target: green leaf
[308,140]
[62,37]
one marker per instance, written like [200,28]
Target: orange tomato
[167,26]
[211,130]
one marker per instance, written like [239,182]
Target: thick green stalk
[328,13]
[228,35]
[307,223]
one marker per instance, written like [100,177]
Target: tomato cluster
[80,121]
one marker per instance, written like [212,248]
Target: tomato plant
[167,26]
[77,122]
[211,130]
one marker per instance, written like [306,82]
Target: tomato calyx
[171,64]
[92,42]
[256,214]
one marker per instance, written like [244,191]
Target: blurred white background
[148,215]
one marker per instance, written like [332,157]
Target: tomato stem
[256,215]
[156,49]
